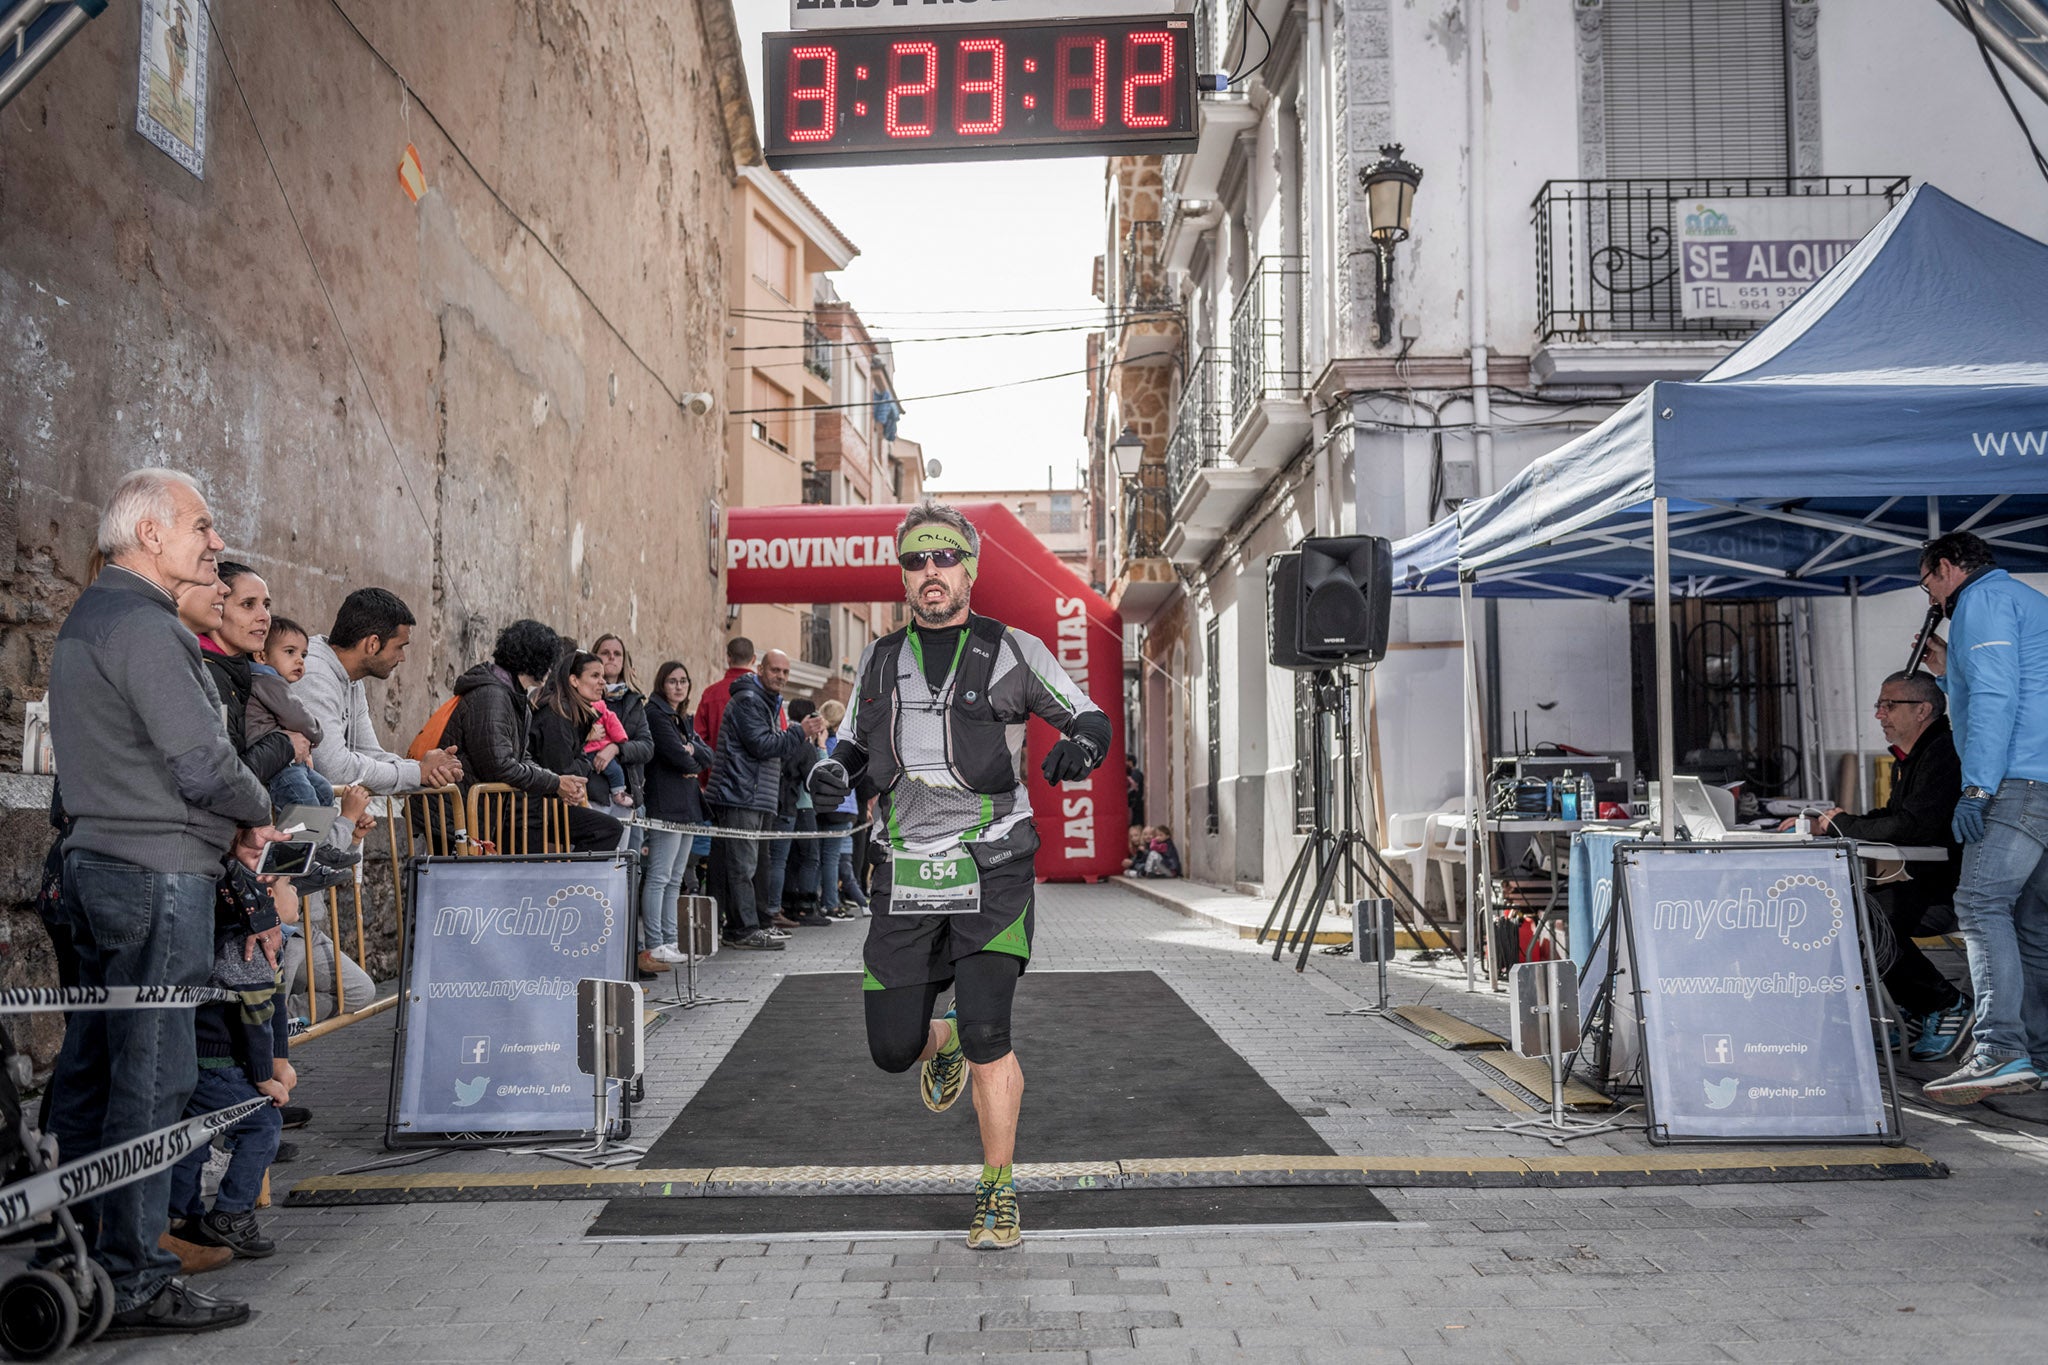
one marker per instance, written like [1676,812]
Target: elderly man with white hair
[159,800]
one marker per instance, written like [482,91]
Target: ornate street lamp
[1129,453]
[1389,185]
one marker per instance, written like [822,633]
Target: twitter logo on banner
[469,1092]
[1720,1094]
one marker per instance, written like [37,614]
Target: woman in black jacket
[562,718]
[674,796]
[227,637]
[622,695]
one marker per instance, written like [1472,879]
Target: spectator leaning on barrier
[490,729]
[368,640]
[158,797]
[1995,663]
[746,790]
[564,713]
[672,796]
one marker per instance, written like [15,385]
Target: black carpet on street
[1116,1066]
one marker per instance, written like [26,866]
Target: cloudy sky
[952,250]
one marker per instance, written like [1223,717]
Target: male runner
[935,729]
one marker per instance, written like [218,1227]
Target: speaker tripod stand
[1334,846]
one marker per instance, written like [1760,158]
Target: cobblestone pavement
[1747,1272]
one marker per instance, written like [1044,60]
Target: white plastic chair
[1421,838]
[1408,854]
[1446,840]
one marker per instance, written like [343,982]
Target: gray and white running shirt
[929,811]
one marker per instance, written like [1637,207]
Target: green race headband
[934,535]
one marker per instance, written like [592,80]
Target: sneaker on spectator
[1982,1077]
[778,934]
[667,952]
[814,919]
[840,912]
[758,941]
[1941,1033]
[238,1232]
[296,1115]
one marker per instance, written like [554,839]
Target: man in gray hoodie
[159,799]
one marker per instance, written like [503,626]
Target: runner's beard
[935,614]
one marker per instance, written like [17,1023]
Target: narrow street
[1873,1270]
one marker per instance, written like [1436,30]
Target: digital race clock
[980,92]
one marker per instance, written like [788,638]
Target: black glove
[1069,761]
[828,783]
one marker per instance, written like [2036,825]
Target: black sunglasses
[915,560]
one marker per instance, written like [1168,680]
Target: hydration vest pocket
[1020,843]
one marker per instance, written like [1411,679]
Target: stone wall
[510,446]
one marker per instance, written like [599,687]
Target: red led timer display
[999,90]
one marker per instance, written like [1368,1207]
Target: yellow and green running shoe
[940,1080]
[996,1226]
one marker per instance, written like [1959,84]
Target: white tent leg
[1667,759]
[1474,825]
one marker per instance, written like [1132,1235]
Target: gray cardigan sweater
[150,775]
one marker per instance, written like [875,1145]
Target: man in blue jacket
[1994,668]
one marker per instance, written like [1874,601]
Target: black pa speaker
[1327,602]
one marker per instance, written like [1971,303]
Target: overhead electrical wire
[442,571]
[853,344]
[924,398]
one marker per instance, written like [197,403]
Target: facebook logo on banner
[1720,1051]
[475,1049]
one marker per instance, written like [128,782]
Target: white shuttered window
[1694,87]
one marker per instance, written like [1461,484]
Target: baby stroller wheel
[38,1315]
[100,1312]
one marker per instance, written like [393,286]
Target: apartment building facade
[1274,372]
[812,414]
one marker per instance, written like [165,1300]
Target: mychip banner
[1751,257]
[1754,992]
[487,1015]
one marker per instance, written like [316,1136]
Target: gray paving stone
[1813,1271]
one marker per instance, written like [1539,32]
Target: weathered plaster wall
[540,468]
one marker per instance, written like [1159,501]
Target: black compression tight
[985,985]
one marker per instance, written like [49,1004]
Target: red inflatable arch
[848,554]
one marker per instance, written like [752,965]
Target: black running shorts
[914,950]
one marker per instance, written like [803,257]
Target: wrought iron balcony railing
[1148,510]
[817,641]
[1607,252]
[1199,437]
[1265,336]
[1142,285]
[817,350]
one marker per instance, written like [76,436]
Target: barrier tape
[135,1159]
[52,999]
[720,832]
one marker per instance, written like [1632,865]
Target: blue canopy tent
[1904,395]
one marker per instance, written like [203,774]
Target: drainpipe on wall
[1475,239]
[1319,276]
